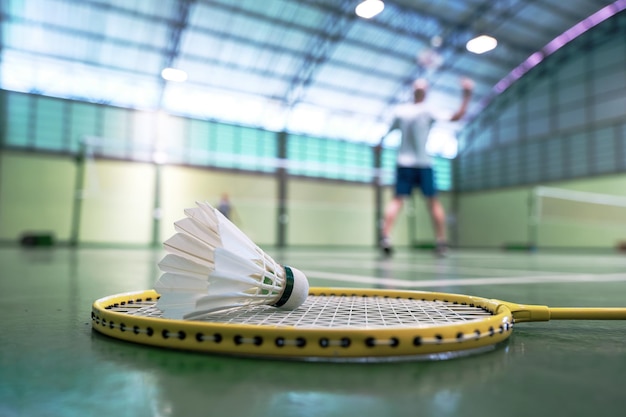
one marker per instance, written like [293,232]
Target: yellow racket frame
[344,343]
[307,343]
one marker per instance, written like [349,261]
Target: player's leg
[438,215]
[404,185]
[391,213]
[435,208]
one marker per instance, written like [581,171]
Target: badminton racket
[336,324]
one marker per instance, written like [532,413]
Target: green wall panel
[36,195]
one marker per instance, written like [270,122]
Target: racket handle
[564,313]
[522,312]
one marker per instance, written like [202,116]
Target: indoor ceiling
[307,66]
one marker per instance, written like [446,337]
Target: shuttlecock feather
[212,265]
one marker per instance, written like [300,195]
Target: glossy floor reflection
[53,364]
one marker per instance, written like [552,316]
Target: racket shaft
[525,313]
[563,313]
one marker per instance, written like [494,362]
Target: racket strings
[337,312]
[344,325]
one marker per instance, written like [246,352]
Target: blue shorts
[408,178]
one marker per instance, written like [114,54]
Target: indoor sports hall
[276,128]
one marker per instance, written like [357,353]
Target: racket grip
[524,313]
[588,313]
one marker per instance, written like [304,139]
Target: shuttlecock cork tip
[296,289]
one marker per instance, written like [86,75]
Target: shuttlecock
[212,265]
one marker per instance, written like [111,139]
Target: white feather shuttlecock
[212,265]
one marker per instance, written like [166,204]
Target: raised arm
[468,87]
[392,127]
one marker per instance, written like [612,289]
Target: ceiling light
[172,74]
[481,44]
[369,8]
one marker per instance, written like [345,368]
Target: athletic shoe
[385,247]
[441,249]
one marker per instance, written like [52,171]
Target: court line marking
[438,268]
[510,258]
[534,279]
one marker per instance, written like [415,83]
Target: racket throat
[524,313]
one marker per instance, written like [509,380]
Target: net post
[534,212]
[378,195]
[80,158]
[281,177]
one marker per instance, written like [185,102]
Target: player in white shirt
[414,166]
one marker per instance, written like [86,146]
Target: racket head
[429,59]
[334,324]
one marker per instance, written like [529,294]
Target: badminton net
[558,214]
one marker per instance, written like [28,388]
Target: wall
[564,120]
[117,202]
[563,124]
[500,217]
[338,214]
[36,195]
[253,197]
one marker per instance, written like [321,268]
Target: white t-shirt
[414,121]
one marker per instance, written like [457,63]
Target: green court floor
[53,364]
